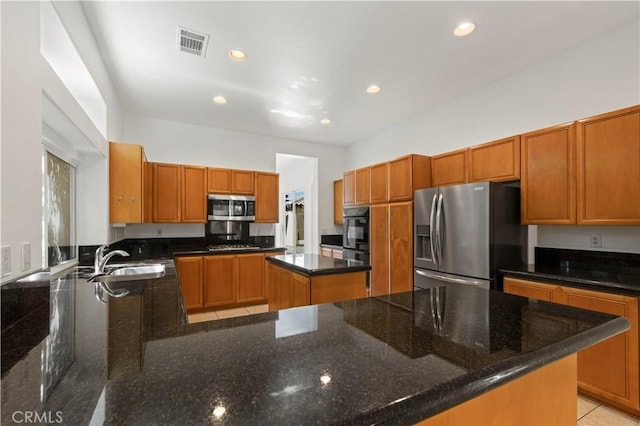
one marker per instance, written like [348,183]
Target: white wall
[25,78]
[183,143]
[21,155]
[599,76]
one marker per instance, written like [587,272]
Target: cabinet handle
[133,198]
[119,197]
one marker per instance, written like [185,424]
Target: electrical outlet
[26,256]
[595,241]
[6,260]
[159,232]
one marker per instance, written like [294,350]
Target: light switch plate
[6,260]
[26,256]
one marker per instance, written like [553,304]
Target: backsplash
[613,238]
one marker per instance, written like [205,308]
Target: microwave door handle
[432,228]
[439,229]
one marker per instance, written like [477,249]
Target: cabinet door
[336,254]
[194,194]
[126,183]
[496,161]
[300,290]
[278,287]
[338,193]
[608,150]
[534,290]
[610,368]
[379,181]
[349,183]
[401,247]
[325,251]
[167,199]
[406,174]
[267,191]
[379,249]
[190,275]
[218,181]
[548,185]
[362,186]
[219,286]
[147,192]
[250,282]
[449,168]
[242,182]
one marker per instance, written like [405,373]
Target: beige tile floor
[228,313]
[593,413]
[590,412]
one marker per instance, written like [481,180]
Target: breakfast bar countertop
[374,360]
[315,264]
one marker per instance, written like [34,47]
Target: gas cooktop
[238,246]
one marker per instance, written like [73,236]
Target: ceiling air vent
[192,42]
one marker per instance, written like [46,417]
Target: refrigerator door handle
[431,228]
[439,229]
[436,276]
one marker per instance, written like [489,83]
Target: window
[59,211]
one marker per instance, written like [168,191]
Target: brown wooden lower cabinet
[608,371]
[288,289]
[222,281]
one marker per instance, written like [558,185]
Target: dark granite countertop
[134,361]
[200,251]
[601,271]
[315,264]
[608,281]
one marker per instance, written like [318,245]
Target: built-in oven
[355,236]
[231,207]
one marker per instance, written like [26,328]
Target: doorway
[298,224]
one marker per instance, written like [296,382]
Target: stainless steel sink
[132,273]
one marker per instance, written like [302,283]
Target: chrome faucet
[102,259]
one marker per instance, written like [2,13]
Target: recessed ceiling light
[325,121]
[220,100]
[464,28]
[373,89]
[237,55]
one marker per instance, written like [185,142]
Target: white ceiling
[317,58]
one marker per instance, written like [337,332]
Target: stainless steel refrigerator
[464,233]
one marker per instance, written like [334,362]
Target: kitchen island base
[547,396]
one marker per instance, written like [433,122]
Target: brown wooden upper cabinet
[127,183]
[362,186]
[356,187]
[349,188]
[608,168]
[449,168]
[548,185]
[497,161]
[267,194]
[229,181]
[167,193]
[218,180]
[242,182]
[379,183]
[194,194]
[406,174]
[338,209]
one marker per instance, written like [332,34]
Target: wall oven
[355,237]
[231,207]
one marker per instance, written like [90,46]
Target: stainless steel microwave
[231,207]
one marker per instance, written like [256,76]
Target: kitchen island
[398,359]
[309,279]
